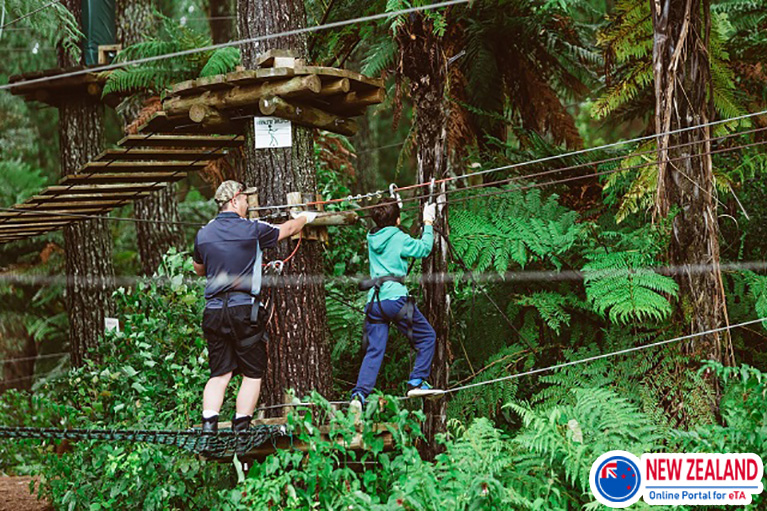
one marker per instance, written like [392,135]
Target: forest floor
[15,496]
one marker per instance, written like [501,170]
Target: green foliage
[52,22]
[623,285]
[156,75]
[514,228]
[18,181]
[552,307]
[221,61]
[150,376]
[757,287]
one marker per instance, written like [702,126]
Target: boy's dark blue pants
[424,339]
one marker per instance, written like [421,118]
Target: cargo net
[210,445]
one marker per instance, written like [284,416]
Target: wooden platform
[54,89]
[312,96]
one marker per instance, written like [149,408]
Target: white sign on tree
[272,132]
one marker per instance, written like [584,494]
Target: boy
[389,302]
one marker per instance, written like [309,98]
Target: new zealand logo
[615,479]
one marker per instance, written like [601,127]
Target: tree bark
[87,243]
[423,64]
[135,22]
[299,355]
[686,186]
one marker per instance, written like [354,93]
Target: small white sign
[272,132]
[112,324]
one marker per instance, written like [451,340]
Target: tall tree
[683,97]
[88,243]
[221,20]
[423,64]
[135,21]
[299,356]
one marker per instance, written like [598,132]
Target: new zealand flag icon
[617,479]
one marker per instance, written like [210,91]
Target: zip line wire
[287,33]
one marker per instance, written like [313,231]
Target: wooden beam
[84,188]
[335,218]
[276,57]
[207,115]
[334,87]
[126,177]
[237,78]
[87,196]
[192,141]
[357,79]
[134,154]
[104,203]
[140,166]
[357,100]
[5,227]
[307,116]
[244,96]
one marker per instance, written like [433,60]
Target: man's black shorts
[233,343]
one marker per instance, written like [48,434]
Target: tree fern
[221,61]
[620,285]
[516,228]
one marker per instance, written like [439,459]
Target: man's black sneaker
[241,425]
[210,425]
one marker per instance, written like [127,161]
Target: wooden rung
[77,204]
[140,166]
[132,154]
[87,196]
[193,141]
[100,188]
[143,177]
[34,218]
[5,227]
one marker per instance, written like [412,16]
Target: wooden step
[192,141]
[159,155]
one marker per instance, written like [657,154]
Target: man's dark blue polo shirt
[230,247]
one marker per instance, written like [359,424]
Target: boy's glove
[429,213]
[309,215]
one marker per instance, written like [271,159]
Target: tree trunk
[135,22]
[221,20]
[19,366]
[87,243]
[299,355]
[423,64]
[686,186]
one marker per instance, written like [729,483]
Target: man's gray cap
[229,189]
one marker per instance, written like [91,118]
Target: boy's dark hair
[386,213]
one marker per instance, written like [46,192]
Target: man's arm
[294,226]
[291,227]
[199,269]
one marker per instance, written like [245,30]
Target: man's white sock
[240,415]
[207,414]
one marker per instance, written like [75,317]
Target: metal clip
[394,195]
[275,267]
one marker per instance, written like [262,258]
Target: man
[389,302]
[228,251]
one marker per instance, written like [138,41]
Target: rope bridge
[209,445]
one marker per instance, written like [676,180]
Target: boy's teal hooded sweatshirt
[388,249]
